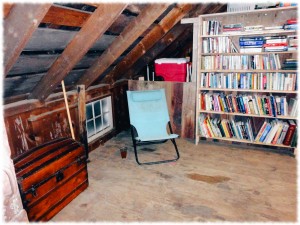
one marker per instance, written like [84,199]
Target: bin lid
[171,60]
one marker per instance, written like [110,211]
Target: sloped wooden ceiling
[88,43]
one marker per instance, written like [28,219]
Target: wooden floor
[210,182]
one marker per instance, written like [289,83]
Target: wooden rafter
[175,36]
[19,26]
[94,27]
[136,27]
[158,48]
[174,16]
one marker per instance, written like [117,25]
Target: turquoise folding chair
[148,113]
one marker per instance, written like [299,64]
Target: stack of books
[291,24]
[232,28]
[290,64]
[253,28]
[292,42]
[277,43]
[251,44]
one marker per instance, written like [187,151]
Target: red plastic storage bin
[171,69]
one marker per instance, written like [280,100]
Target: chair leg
[135,144]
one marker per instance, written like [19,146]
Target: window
[98,118]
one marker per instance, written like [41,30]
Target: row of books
[277,132]
[270,132]
[249,104]
[218,45]
[261,43]
[253,81]
[216,127]
[213,27]
[250,44]
[241,62]
[290,64]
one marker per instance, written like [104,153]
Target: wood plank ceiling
[89,43]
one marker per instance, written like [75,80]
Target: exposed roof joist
[178,34]
[174,16]
[136,27]
[100,20]
[19,26]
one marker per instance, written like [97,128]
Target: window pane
[97,108]
[106,120]
[105,105]
[90,128]
[99,126]
[89,112]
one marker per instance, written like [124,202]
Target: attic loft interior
[229,75]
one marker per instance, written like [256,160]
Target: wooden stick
[67,107]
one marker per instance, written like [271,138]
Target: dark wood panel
[30,123]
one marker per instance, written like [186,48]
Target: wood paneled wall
[181,103]
[30,123]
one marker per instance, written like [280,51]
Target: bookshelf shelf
[245,141]
[248,115]
[262,32]
[248,71]
[246,90]
[271,48]
[250,53]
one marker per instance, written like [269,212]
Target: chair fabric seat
[155,138]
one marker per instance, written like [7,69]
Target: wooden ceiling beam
[173,17]
[19,26]
[136,27]
[158,48]
[177,34]
[94,27]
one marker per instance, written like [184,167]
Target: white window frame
[103,130]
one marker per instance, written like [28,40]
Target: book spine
[283,133]
[265,133]
[289,135]
[257,38]
[274,141]
[261,131]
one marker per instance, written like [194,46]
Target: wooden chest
[50,176]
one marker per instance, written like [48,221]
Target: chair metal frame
[136,142]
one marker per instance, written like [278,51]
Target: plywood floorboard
[210,182]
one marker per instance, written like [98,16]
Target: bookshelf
[258,48]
